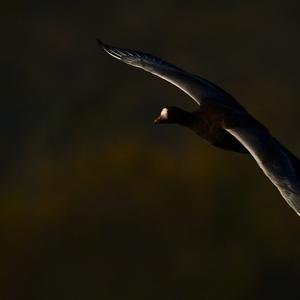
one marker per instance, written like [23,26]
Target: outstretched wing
[278,164]
[199,89]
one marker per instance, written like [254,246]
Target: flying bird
[221,121]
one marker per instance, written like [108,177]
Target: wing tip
[108,49]
[103,45]
[100,43]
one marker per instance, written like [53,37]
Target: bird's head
[172,114]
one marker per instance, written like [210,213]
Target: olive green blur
[97,202]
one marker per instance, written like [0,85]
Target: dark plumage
[222,121]
[205,124]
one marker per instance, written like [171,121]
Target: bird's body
[222,121]
[207,124]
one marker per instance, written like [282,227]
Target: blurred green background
[96,201]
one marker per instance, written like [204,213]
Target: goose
[221,121]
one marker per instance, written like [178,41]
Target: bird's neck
[186,119]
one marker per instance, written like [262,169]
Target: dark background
[96,201]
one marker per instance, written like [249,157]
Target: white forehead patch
[164,113]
